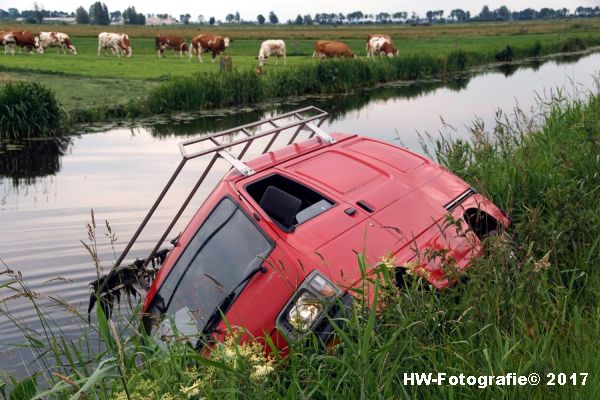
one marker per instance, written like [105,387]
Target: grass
[244,87]
[28,110]
[93,88]
[235,31]
[529,305]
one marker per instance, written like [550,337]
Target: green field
[88,81]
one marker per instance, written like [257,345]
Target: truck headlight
[304,312]
[312,299]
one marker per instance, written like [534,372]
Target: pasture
[90,81]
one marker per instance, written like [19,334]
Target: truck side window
[286,201]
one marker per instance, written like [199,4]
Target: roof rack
[308,118]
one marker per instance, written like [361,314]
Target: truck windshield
[226,248]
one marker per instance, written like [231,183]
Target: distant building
[62,20]
[162,21]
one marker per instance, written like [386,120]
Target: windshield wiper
[223,306]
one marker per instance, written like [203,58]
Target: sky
[288,9]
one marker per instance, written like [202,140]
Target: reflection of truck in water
[273,247]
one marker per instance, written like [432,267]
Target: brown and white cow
[56,39]
[207,42]
[176,43]
[331,48]
[271,48]
[27,40]
[8,41]
[379,44]
[116,42]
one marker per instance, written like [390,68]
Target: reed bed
[28,110]
[204,90]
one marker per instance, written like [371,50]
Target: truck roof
[384,197]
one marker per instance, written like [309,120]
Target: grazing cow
[380,45]
[170,42]
[330,48]
[56,39]
[206,42]
[8,41]
[271,48]
[116,42]
[28,40]
[375,43]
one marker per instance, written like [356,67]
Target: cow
[56,39]
[330,48]
[8,41]
[170,42]
[380,44]
[27,40]
[271,48]
[206,42]
[116,42]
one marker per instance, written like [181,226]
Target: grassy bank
[530,304]
[93,88]
[336,76]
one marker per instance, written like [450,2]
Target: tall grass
[28,110]
[244,87]
[529,304]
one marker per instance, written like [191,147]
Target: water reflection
[24,163]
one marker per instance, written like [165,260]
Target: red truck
[273,247]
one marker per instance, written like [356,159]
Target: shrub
[505,55]
[28,110]
[572,44]
[458,60]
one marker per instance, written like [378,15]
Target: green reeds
[205,91]
[28,110]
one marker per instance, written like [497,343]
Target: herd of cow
[119,44]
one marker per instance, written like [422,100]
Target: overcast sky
[288,9]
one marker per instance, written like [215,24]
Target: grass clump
[28,110]
[505,55]
[573,44]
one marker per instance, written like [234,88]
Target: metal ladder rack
[308,118]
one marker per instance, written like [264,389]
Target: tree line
[98,14]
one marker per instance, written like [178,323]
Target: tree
[185,18]
[458,14]
[82,16]
[115,16]
[261,19]
[211,21]
[307,19]
[229,17]
[503,13]
[485,14]
[131,17]
[237,17]
[99,14]
[299,20]
[39,12]
[200,19]
[273,18]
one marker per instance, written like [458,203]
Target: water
[47,188]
